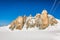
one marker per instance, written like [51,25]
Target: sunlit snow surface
[50,33]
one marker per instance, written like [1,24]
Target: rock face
[30,22]
[44,19]
[18,23]
[52,20]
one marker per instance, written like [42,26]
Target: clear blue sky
[11,9]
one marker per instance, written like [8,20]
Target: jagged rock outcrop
[42,21]
[52,20]
[18,23]
[12,25]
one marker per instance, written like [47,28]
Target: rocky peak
[42,20]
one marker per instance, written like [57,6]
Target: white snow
[50,33]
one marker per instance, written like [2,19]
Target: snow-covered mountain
[47,23]
[50,33]
[55,27]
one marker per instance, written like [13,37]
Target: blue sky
[11,9]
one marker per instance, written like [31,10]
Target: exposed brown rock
[18,23]
[52,20]
[44,19]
